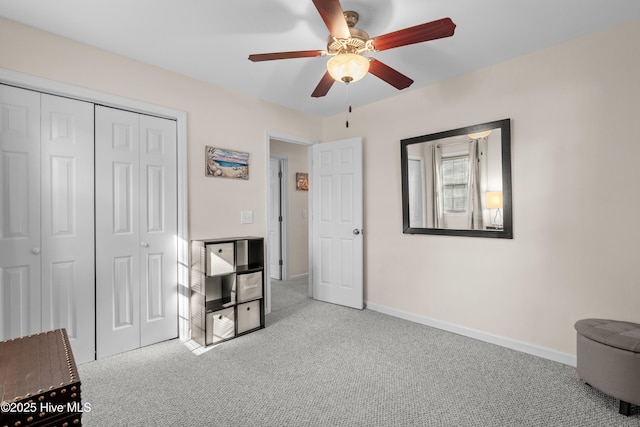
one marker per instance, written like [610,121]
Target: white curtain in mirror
[477,182]
[438,202]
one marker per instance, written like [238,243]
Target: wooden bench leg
[625,408]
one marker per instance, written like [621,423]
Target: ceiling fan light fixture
[347,67]
[479,135]
[348,45]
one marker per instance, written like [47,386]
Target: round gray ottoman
[608,358]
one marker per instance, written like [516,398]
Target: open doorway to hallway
[288,210]
[332,215]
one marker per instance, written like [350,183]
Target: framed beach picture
[226,163]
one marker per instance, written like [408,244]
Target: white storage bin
[220,258]
[248,316]
[249,286]
[220,325]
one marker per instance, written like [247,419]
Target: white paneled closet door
[20,287]
[47,276]
[136,231]
[158,230]
[67,222]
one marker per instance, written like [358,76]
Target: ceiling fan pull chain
[348,103]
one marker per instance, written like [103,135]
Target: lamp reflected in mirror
[493,200]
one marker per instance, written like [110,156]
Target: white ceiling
[210,40]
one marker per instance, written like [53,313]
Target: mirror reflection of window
[446,176]
[455,183]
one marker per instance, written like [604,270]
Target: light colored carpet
[318,364]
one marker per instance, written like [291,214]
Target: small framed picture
[302,181]
[225,163]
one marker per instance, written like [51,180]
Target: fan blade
[333,17]
[420,33]
[389,75]
[323,87]
[286,55]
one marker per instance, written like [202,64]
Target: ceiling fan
[347,45]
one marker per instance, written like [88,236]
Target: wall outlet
[246,217]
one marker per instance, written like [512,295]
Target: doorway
[277,216]
[288,231]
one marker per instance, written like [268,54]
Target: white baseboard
[556,356]
[298,276]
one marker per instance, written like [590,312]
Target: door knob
[35,251]
[356,231]
[144,244]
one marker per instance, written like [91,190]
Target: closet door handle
[35,251]
[144,244]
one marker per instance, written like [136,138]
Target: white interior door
[337,241]
[136,245]
[67,221]
[275,218]
[417,210]
[46,210]
[117,231]
[158,230]
[20,286]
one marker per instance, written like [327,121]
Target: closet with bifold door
[88,223]
[46,217]
[136,213]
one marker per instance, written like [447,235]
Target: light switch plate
[246,217]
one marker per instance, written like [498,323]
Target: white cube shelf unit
[227,288]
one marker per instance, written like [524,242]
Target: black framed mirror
[458,182]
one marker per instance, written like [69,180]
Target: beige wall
[215,116]
[574,111]
[298,212]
